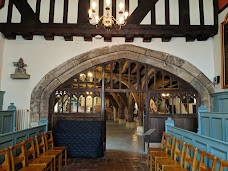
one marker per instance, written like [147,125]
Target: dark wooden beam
[88,37]
[101,7]
[129,38]
[88,31]
[167,16]
[51,11]
[114,8]
[166,38]
[108,38]
[143,8]
[10,36]
[49,36]
[83,7]
[68,37]
[10,10]
[27,36]
[191,37]
[201,12]
[184,17]
[127,5]
[203,37]
[153,15]
[38,2]
[65,11]
[27,13]
[147,38]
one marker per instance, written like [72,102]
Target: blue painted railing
[214,125]
[211,145]
[13,138]
[7,121]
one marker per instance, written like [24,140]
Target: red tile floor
[112,161]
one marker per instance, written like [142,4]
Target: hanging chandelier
[107,20]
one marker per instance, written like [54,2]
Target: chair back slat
[40,144]
[169,147]
[223,165]
[190,157]
[30,150]
[49,142]
[17,155]
[206,167]
[5,164]
[179,151]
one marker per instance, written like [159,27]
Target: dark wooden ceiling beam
[27,36]
[27,13]
[89,31]
[166,38]
[108,38]
[143,8]
[49,36]
[68,37]
[203,37]
[147,38]
[191,37]
[129,38]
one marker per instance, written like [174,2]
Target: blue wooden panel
[205,123]
[201,145]
[220,101]
[7,124]
[211,145]
[13,138]
[1,99]
[223,107]
[218,132]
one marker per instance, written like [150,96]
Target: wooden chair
[178,156]
[189,160]
[41,152]
[31,156]
[168,153]
[17,155]
[5,165]
[162,147]
[223,164]
[50,145]
[205,167]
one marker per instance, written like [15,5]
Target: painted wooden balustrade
[214,125]
[211,145]
[7,121]
[13,138]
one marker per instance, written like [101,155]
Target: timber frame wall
[31,25]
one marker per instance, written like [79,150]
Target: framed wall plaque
[224,29]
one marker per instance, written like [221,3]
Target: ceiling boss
[107,20]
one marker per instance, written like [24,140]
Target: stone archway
[39,103]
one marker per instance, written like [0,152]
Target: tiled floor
[124,153]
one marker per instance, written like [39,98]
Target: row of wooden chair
[176,155]
[26,156]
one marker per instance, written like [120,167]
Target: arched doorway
[164,63]
[128,89]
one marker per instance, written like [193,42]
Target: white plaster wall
[2,42]
[41,56]
[217,52]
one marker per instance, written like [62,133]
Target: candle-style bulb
[121,6]
[108,2]
[94,5]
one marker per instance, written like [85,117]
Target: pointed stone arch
[39,103]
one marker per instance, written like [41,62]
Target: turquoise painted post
[200,109]
[13,108]
[43,121]
[169,122]
[1,99]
